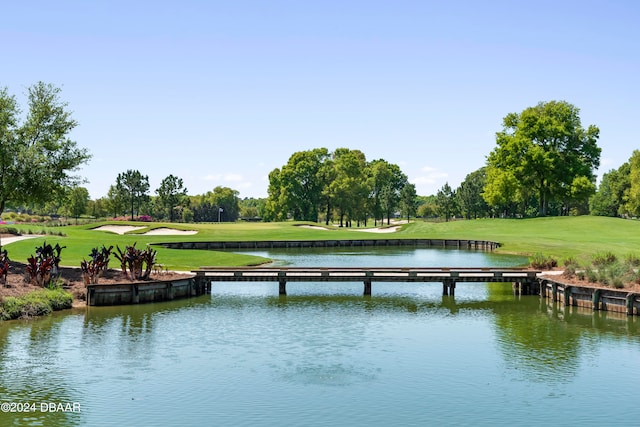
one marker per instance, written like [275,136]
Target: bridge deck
[448,276]
[333,274]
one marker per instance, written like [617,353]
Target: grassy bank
[560,237]
[37,303]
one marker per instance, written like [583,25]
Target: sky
[220,93]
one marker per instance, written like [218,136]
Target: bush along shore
[36,303]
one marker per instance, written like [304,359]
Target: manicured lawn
[561,237]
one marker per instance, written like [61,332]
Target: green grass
[37,303]
[559,237]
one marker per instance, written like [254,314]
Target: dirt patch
[17,283]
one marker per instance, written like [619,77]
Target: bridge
[525,281]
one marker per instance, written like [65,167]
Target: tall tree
[171,193]
[37,156]
[393,184]
[227,202]
[76,203]
[446,201]
[349,188]
[609,200]
[408,203]
[632,204]
[135,185]
[469,194]
[117,199]
[301,183]
[545,148]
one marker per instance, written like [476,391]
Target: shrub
[617,282]
[603,259]
[43,269]
[36,303]
[569,271]
[542,262]
[133,261]
[632,260]
[97,265]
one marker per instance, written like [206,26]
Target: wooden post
[596,299]
[631,297]
[283,287]
[567,295]
[448,287]
[367,287]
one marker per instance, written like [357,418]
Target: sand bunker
[121,229]
[368,230]
[168,231]
[378,230]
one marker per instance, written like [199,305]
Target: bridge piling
[367,287]
[282,288]
[448,287]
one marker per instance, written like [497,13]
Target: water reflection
[326,355]
[29,352]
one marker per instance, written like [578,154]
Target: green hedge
[37,303]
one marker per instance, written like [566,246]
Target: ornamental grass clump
[570,267]
[98,263]
[43,269]
[603,259]
[4,266]
[136,264]
[543,262]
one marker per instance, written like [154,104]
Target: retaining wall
[142,292]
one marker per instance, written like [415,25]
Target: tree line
[318,185]
[544,163]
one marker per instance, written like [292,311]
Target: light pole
[220,210]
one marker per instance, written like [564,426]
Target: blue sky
[223,92]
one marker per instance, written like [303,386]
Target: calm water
[325,355]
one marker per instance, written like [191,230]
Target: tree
[469,194]
[408,203]
[446,199]
[226,202]
[390,194]
[37,156]
[171,193]
[632,204]
[116,199]
[349,188]
[135,185]
[299,184]
[609,200]
[545,148]
[77,200]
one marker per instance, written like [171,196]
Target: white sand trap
[378,230]
[367,230]
[118,229]
[163,231]
[168,231]
[314,227]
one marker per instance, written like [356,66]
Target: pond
[324,355]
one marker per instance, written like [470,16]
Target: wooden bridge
[525,281]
